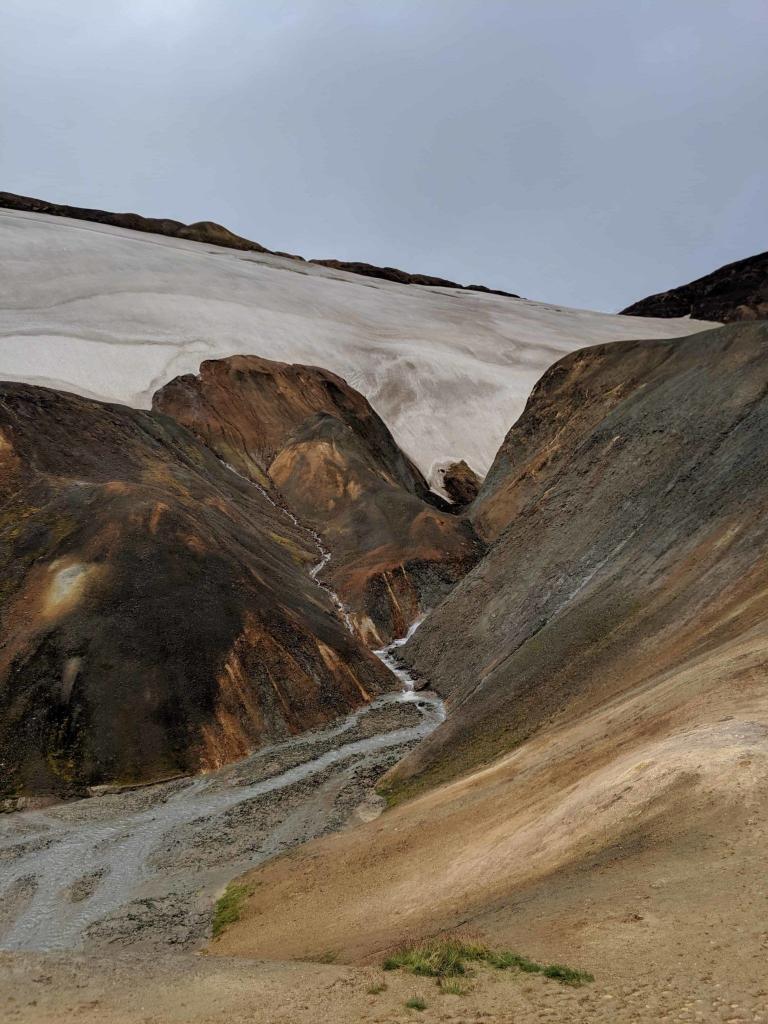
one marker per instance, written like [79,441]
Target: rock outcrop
[460,483]
[157,614]
[627,506]
[737,291]
[304,433]
[403,277]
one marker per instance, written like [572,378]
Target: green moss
[298,553]
[227,909]
[450,957]
[416,1003]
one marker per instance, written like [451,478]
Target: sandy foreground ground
[675,935]
[659,891]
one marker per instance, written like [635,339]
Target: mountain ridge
[211,233]
[733,292]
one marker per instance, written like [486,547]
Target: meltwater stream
[69,869]
[112,842]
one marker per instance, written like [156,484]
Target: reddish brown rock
[306,432]
[157,615]
[460,483]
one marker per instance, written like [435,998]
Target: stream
[143,868]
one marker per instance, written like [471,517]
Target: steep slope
[737,291]
[113,314]
[627,502]
[303,430]
[603,765]
[157,613]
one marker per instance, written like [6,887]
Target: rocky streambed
[142,869]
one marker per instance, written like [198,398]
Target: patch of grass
[454,987]
[377,988]
[567,975]
[416,1003]
[227,909]
[449,957]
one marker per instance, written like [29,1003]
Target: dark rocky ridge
[634,492]
[403,277]
[214,234]
[396,547]
[156,610]
[203,231]
[737,291]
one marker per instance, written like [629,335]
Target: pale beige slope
[114,314]
[612,840]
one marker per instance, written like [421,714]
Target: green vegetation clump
[227,909]
[454,987]
[450,956]
[377,988]
[416,1003]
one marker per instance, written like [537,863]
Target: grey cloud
[583,153]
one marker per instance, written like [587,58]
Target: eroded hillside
[602,768]
[158,612]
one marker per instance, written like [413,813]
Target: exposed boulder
[460,483]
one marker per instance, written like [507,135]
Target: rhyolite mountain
[599,789]
[183,585]
[157,612]
[737,291]
[396,548]
[634,491]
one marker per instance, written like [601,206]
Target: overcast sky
[583,152]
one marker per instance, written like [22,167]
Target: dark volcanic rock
[403,277]
[306,432]
[203,231]
[156,611]
[738,291]
[386,273]
[629,507]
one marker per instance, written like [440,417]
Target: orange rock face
[157,613]
[320,448]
